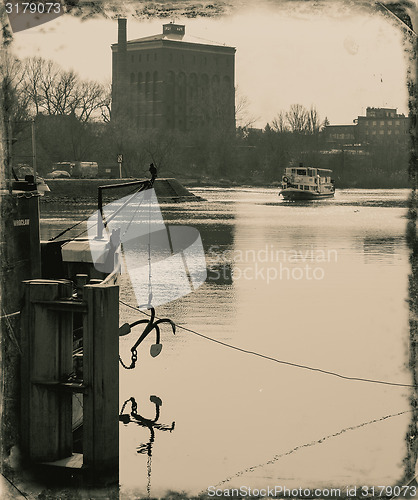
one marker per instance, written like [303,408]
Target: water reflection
[382,249]
[150,424]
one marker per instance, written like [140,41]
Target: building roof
[177,38]
[344,125]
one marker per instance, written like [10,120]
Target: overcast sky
[340,59]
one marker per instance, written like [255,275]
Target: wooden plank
[26,320]
[43,407]
[101,373]
[66,369]
[63,305]
[43,349]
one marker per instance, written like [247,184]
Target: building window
[374,123]
[147,83]
[381,132]
[367,132]
[397,122]
[390,122]
[382,123]
[367,124]
[374,132]
[396,132]
[389,132]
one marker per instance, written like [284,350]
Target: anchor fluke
[124,329]
[155,350]
[156,400]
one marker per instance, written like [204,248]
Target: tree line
[73,123]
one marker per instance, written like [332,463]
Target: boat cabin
[307,178]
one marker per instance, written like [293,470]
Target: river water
[319,284]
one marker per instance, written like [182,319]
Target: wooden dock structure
[48,378]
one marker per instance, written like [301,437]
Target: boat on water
[307,183]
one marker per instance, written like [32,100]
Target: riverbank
[174,190]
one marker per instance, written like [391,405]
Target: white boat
[307,183]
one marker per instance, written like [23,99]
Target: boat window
[306,188]
[301,171]
[293,170]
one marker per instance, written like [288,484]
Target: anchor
[156,348]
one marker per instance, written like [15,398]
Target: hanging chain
[134,358]
[134,406]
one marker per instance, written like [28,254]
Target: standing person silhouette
[153,172]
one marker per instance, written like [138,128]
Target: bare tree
[105,108]
[53,91]
[31,86]
[280,124]
[298,118]
[15,103]
[315,125]
[91,98]
[243,118]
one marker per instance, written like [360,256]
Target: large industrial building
[378,126]
[172,81]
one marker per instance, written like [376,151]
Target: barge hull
[301,195]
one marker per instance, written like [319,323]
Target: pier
[167,189]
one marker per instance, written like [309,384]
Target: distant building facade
[171,81]
[379,125]
[383,124]
[340,134]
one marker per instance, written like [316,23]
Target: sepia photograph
[209,249]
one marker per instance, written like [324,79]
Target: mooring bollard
[49,382]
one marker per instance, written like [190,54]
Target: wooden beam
[101,375]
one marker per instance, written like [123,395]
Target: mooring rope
[289,363]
